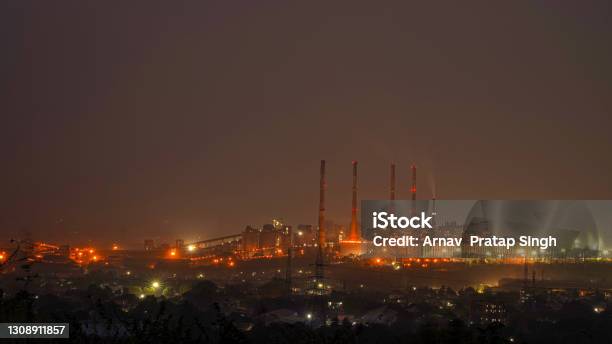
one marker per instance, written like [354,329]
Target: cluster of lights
[230,262]
[85,255]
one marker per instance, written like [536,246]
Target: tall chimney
[392,183]
[319,274]
[322,186]
[354,231]
[413,189]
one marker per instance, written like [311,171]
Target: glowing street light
[155,284]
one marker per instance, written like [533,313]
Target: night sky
[164,119]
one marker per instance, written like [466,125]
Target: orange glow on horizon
[350,242]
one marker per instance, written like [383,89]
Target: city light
[191,248]
[142,296]
[155,284]
[115,247]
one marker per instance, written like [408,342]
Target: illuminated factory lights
[191,248]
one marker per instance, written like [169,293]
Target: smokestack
[392,183]
[413,189]
[319,274]
[354,231]
[322,186]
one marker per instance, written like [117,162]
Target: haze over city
[194,121]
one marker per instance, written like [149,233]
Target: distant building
[250,239]
[267,237]
[334,233]
[304,236]
[271,239]
[285,240]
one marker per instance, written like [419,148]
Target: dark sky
[166,119]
